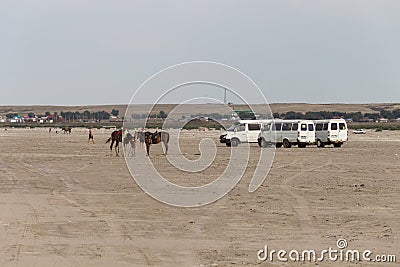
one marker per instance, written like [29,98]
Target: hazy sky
[99,52]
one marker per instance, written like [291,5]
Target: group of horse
[148,137]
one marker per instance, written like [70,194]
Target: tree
[387,114]
[372,116]
[47,113]
[87,115]
[115,112]
[162,114]
[31,115]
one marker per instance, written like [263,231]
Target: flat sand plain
[64,202]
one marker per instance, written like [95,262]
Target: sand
[65,202]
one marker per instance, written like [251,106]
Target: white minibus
[333,131]
[287,133]
[242,131]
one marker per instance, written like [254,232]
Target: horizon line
[272,103]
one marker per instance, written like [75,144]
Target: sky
[99,52]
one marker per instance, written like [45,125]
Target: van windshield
[236,127]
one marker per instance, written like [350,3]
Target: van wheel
[262,143]
[337,145]
[286,143]
[278,145]
[302,145]
[319,143]
[234,142]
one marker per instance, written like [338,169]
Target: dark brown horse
[66,129]
[116,137]
[155,138]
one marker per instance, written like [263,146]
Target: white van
[242,131]
[287,133]
[329,132]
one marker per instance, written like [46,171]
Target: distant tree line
[355,116]
[312,115]
[161,115]
[86,115]
[215,116]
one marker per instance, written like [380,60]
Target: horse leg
[117,148]
[133,148]
[166,148]
[111,146]
[148,148]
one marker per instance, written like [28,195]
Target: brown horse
[116,137]
[66,129]
[155,138]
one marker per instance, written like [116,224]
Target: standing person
[91,135]
[141,138]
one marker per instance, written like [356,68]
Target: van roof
[291,121]
[253,121]
[330,120]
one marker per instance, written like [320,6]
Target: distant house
[115,119]
[45,119]
[382,120]
[17,119]
[366,119]
[27,119]
[2,119]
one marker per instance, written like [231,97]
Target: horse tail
[109,139]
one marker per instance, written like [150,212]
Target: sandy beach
[65,202]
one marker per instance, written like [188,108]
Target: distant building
[115,119]
[382,120]
[17,119]
[366,119]
[45,119]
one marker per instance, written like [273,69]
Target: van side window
[254,127]
[333,126]
[303,127]
[286,126]
[295,126]
[342,126]
[311,127]
[325,128]
[318,127]
[266,127]
[277,126]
